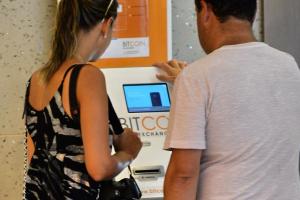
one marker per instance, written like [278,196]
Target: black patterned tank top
[55,133]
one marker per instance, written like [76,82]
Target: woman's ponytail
[73,16]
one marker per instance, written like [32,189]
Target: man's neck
[234,32]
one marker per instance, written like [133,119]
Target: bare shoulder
[36,80]
[36,74]
[91,79]
[92,70]
[90,74]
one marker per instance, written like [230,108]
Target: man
[234,128]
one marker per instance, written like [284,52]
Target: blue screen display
[153,97]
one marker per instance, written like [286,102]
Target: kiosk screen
[152,97]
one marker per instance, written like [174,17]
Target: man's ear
[106,26]
[205,12]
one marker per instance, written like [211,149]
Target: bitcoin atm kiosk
[142,103]
[142,36]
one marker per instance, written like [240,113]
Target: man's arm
[182,175]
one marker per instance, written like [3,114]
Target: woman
[69,146]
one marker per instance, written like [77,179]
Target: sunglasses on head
[108,7]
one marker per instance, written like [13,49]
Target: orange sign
[140,35]
[132,20]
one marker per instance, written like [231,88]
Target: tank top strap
[64,77]
[74,107]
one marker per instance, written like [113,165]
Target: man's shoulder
[278,52]
[276,57]
[203,65]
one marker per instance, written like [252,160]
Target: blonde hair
[73,16]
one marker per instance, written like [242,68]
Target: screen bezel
[146,84]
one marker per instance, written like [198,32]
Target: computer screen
[150,97]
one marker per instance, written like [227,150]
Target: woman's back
[55,133]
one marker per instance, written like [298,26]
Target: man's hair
[224,9]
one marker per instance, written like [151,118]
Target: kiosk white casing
[152,161]
[150,166]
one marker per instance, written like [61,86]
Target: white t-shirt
[241,106]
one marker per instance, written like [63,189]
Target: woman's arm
[30,148]
[93,103]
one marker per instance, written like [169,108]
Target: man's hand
[171,70]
